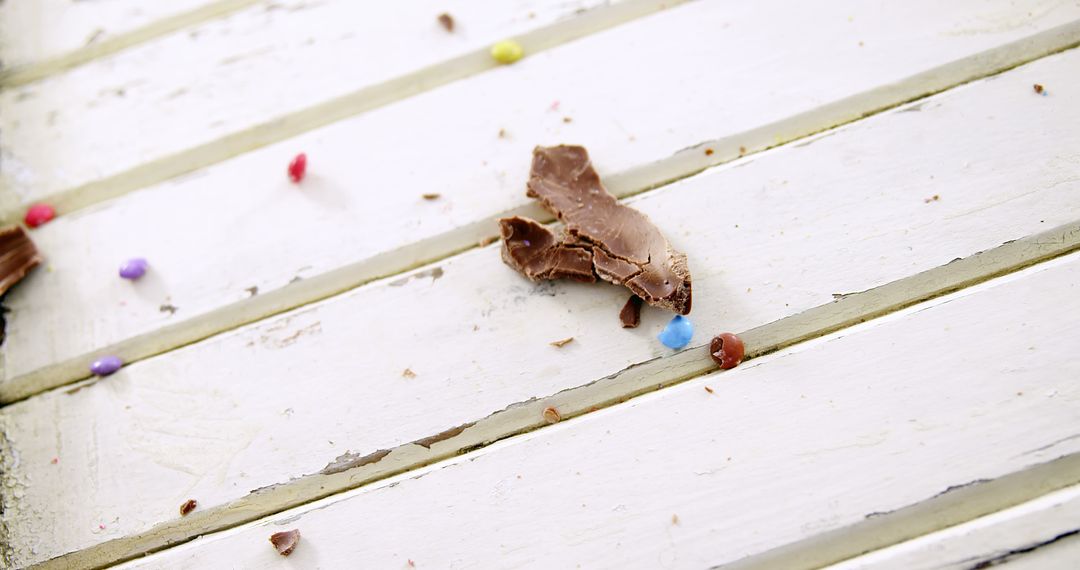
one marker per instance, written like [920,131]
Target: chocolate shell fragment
[285,541]
[17,256]
[630,315]
[602,238]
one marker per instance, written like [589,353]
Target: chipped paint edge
[354,469]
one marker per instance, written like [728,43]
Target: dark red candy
[727,350]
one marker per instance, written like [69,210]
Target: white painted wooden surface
[971,387]
[32,31]
[229,75]
[1012,537]
[282,398]
[355,162]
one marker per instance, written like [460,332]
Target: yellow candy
[507,51]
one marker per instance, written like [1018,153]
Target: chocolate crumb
[562,343]
[567,119]
[502,133]
[674,519]
[431,196]
[630,315]
[708,152]
[1038,88]
[447,21]
[408,373]
[188,506]
[285,541]
[253,290]
[708,389]
[933,198]
[17,256]
[742,150]
[167,308]
[551,415]
[602,239]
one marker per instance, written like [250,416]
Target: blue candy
[677,333]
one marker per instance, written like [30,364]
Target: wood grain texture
[203,94]
[41,37]
[785,448]
[281,399]
[1012,537]
[365,192]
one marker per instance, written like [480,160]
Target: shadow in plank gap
[820,446]
[49,36]
[345,198]
[1046,529]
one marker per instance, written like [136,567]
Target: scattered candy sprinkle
[297,168]
[39,214]
[677,333]
[727,350]
[134,268]
[106,365]
[507,51]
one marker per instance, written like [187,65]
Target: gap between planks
[366,99]
[354,470]
[681,165]
[29,73]
[953,506]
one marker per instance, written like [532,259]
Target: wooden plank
[786,448]
[41,37]
[1013,536]
[218,419]
[200,95]
[392,231]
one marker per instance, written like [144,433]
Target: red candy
[298,167]
[727,350]
[39,214]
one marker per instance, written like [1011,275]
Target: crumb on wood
[431,196]
[708,152]
[447,21]
[551,415]
[567,119]
[252,291]
[674,519]
[167,308]
[1039,88]
[408,373]
[285,541]
[502,133]
[412,564]
[55,460]
[563,342]
[742,150]
[933,198]
[188,506]
[708,389]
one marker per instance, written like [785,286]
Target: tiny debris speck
[563,342]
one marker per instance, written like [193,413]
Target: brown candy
[602,238]
[727,350]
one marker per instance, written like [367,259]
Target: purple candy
[133,268]
[106,365]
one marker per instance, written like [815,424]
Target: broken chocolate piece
[630,315]
[17,256]
[602,238]
[533,250]
[285,541]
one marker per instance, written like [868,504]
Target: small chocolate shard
[188,506]
[285,541]
[630,315]
[447,21]
[17,256]
[602,239]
